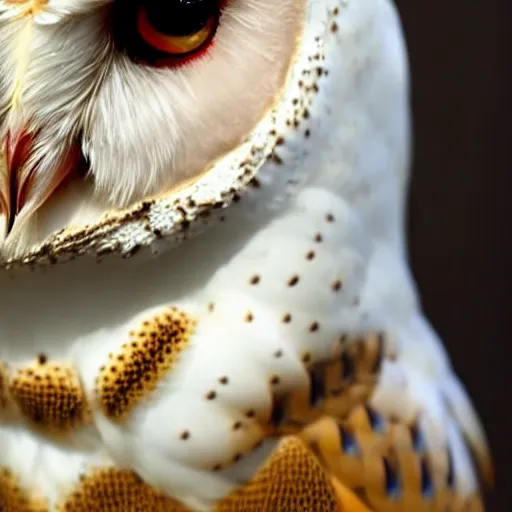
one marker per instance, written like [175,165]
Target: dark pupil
[180,17]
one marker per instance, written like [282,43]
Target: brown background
[460,210]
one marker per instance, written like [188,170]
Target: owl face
[107,104]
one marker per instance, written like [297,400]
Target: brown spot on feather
[15,499]
[50,396]
[151,353]
[106,490]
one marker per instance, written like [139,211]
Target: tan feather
[388,467]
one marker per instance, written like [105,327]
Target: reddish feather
[18,187]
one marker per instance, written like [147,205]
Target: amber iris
[177,27]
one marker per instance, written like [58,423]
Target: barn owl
[207,304]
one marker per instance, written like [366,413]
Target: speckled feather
[262,328]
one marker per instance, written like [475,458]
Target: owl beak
[28,181]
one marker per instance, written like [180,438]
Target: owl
[207,299]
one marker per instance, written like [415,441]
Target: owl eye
[177,27]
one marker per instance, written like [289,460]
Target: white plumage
[285,251]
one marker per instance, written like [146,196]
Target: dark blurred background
[460,207]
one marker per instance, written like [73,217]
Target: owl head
[107,103]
